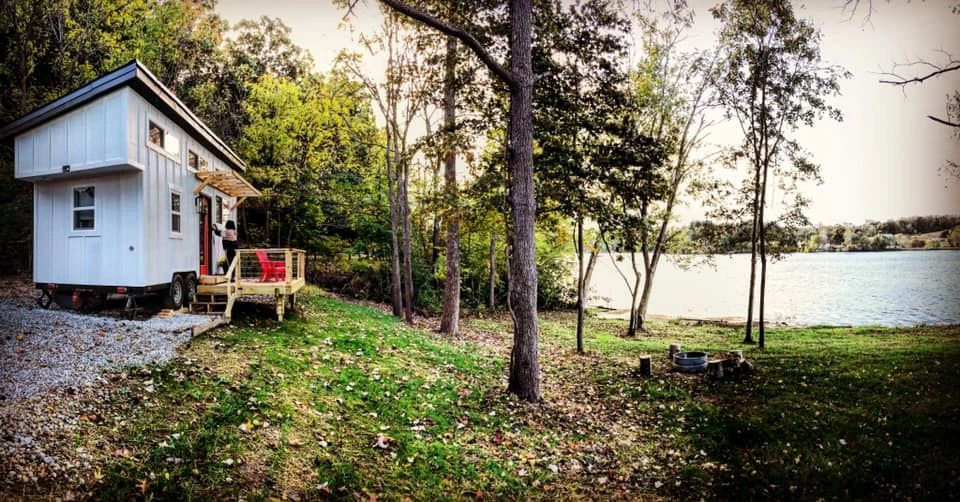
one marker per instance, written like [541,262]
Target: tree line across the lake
[512,133]
[915,232]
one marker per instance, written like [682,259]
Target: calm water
[884,289]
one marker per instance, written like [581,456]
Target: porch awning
[228,181]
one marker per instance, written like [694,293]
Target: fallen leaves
[382,442]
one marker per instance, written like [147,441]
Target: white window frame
[175,234]
[167,138]
[219,205]
[191,151]
[74,208]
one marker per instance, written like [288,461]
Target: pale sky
[881,162]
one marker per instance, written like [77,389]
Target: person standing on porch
[229,236]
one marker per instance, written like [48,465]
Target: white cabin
[128,186]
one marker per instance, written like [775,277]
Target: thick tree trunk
[395,283]
[492,300]
[450,320]
[524,380]
[580,288]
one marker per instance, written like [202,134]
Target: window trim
[163,135]
[202,163]
[162,150]
[191,151]
[175,234]
[218,204]
[74,208]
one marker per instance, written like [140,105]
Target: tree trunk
[395,284]
[634,326]
[524,380]
[651,269]
[492,300]
[580,289]
[450,320]
[591,264]
[407,245]
[763,254]
[748,338]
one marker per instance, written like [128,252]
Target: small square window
[193,161]
[175,212]
[156,135]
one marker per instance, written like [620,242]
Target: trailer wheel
[45,300]
[176,293]
[190,288]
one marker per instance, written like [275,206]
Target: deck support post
[281,300]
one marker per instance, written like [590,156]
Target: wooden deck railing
[269,266]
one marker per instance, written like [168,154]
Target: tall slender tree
[772,80]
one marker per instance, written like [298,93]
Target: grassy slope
[264,409]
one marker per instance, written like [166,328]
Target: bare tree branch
[450,29]
[944,122]
[937,70]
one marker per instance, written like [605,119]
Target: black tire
[176,293]
[45,300]
[190,289]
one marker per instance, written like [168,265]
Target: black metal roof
[135,75]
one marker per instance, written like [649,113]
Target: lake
[880,289]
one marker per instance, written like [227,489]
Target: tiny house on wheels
[128,189]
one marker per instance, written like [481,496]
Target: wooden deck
[271,272]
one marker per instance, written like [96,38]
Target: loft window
[175,212]
[84,208]
[196,162]
[193,161]
[157,135]
[219,209]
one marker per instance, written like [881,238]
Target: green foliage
[310,145]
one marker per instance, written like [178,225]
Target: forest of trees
[568,146]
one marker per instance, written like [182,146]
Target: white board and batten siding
[89,138]
[105,143]
[166,251]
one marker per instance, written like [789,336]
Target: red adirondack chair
[270,270]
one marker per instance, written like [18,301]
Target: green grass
[263,409]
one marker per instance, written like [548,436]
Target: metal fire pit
[690,362]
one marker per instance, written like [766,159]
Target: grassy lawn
[343,401]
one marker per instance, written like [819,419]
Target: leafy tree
[674,96]
[772,80]
[308,144]
[583,87]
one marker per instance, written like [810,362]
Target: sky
[882,161]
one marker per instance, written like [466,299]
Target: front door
[204,235]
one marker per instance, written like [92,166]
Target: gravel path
[45,349]
[58,370]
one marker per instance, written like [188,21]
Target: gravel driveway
[44,349]
[54,367]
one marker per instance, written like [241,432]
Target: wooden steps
[213,279]
[206,303]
